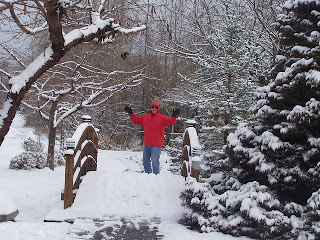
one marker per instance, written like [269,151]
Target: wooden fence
[81,157]
[191,151]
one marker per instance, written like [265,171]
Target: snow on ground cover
[118,190]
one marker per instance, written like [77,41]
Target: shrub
[244,210]
[31,145]
[59,159]
[34,157]
[29,160]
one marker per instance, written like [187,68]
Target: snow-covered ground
[118,192]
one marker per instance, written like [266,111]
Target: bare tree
[68,24]
[72,85]
[228,46]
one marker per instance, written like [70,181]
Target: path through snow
[119,201]
[119,193]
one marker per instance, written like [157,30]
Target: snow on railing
[191,151]
[81,157]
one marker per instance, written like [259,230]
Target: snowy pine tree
[224,77]
[272,191]
[283,153]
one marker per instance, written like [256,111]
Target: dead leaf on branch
[169,31]
[153,10]
[101,12]
[124,55]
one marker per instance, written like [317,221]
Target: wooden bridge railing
[81,157]
[191,151]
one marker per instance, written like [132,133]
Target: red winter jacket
[154,126]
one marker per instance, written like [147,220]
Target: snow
[194,142]
[301,49]
[19,82]
[270,141]
[313,78]
[119,189]
[5,109]
[264,110]
[134,29]
[314,141]
[293,3]
[79,131]
[6,205]
[87,30]
[191,122]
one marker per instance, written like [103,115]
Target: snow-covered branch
[66,29]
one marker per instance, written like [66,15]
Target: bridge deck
[120,189]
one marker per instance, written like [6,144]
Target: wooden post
[191,153]
[68,185]
[191,123]
[185,160]
[195,167]
[86,118]
[95,142]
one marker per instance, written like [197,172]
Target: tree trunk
[13,102]
[51,146]
[52,133]
[225,131]
[14,99]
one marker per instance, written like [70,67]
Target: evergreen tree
[228,59]
[224,76]
[283,152]
[267,186]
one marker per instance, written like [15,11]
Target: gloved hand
[175,113]
[128,110]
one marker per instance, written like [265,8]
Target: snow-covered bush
[29,160]
[34,157]
[174,148]
[249,210]
[59,158]
[313,214]
[31,145]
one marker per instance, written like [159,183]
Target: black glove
[175,112]
[128,110]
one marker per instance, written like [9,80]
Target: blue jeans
[154,154]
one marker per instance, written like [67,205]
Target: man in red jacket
[154,125]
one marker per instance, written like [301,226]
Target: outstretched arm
[134,118]
[169,121]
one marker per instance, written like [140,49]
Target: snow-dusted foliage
[249,209]
[272,190]
[34,157]
[223,78]
[313,213]
[229,59]
[31,145]
[57,22]
[59,159]
[224,204]
[29,160]
[286,145]
[173,148]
